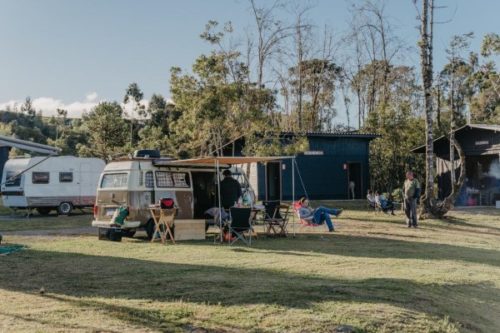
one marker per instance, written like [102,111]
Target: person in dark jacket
[230,190]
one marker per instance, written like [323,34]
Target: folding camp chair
[305,222]
[241,225]
[276,218]
[164,221]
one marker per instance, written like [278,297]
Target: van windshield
[114,180]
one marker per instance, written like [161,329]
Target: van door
[204,192]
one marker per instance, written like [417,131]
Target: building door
[354,180]
[273,181]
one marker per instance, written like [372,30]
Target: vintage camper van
[140,182]
[47,183]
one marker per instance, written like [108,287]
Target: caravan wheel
[65,208]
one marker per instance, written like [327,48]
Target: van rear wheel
[65,208]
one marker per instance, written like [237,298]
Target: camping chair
[276,218]
[305,222]
[241,224]
[164,222]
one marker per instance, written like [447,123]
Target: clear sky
[73,53]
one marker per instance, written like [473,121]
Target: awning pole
[218,191]
[293,192]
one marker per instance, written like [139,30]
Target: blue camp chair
[241,225]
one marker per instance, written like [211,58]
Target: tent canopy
[229,160]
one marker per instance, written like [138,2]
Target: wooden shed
[481,145]
[323,172]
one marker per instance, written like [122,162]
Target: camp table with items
[164,220]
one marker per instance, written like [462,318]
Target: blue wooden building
[333,160]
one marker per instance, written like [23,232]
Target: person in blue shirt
[319,215]
[383,203]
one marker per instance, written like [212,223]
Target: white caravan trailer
[47,183]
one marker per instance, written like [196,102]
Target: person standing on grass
[352,187]
[230,190]
[411,192]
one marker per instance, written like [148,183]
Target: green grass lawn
[373,274]
[52,222]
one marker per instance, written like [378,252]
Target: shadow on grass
[446,224]
[382,247]
[70,276]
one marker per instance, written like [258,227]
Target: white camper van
[62,183]
[140,182]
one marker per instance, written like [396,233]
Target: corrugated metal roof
[495,128]
[486,127]
[333,134]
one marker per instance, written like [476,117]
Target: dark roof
[335,134]
[494,128]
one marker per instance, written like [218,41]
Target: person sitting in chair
[370,198]
[383,203]
[319,215]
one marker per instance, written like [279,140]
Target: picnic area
[372,275]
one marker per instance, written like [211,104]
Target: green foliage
[216,104]
[390,154]
[318,79]
[107,131]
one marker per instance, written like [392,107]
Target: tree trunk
[428,200]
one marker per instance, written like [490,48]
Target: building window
[65,177]
[40,177]
[114,180]
[148,179]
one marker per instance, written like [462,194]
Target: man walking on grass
[411,191]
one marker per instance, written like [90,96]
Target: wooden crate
[189,229]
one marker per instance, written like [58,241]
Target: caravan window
[9,181]
[65,177]
[114,180]
[40,177]
[148,179]
[172,179]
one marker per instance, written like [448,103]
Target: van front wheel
[65,208]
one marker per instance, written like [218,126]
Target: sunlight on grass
[373,274]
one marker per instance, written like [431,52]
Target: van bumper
[108,224]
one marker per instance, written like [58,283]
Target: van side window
[164,179]
[172,179]
[148,179]
[114,180]
[181,179]
[65,177]
[40,177]
[10,181]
